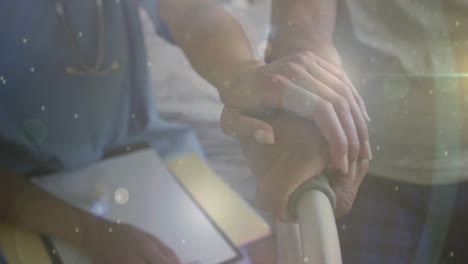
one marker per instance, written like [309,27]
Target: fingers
[346,188]
[342,107]
[331,81]
[310,87]
[241,126]
[289,96]
[344,78]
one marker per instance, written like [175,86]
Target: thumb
[239,125]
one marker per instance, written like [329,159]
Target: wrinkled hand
[107,242]
[300,152]
[312,88]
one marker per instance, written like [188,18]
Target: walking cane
[312,203]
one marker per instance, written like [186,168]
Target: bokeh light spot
[121,196]
[99,207]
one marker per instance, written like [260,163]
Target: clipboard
[252,227]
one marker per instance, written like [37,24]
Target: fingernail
[368,149]
[366,115]
[343,164]
[264,137]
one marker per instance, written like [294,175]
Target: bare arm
[304,25]
[211,38]
[302,83]
[25,205]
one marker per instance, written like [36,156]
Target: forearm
[25,205]
[303,25]
[211,39]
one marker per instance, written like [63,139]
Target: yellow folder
[239,222]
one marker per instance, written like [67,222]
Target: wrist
[239,74]
[285,46]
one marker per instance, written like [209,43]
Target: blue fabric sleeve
[161,29]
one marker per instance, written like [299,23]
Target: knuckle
[301,58]
[307,54]
[340,104]
[289,65]
[354,147]
[324,106]
[343,90]
[345,203]
[277,80]
[340,75]
[342,145]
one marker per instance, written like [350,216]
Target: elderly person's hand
[300,152]
[312,88]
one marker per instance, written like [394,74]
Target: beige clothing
[405,58]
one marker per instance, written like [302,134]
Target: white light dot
[32,69]
[110,229]
[226,83]
[396,188]
[117,1]
[25,40]
[457,23]
[149,63]
[446,153]
[306,259]
[377,147]
[183,241]
[133,116]
[343,227]
[42,108]
[121,196]
[431,91]
[80,34]
[128,148]
[452,254]
[53,251]
[289,23]
[75,116]
[118,221]
[77,230]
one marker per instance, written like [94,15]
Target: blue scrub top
[53,120]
